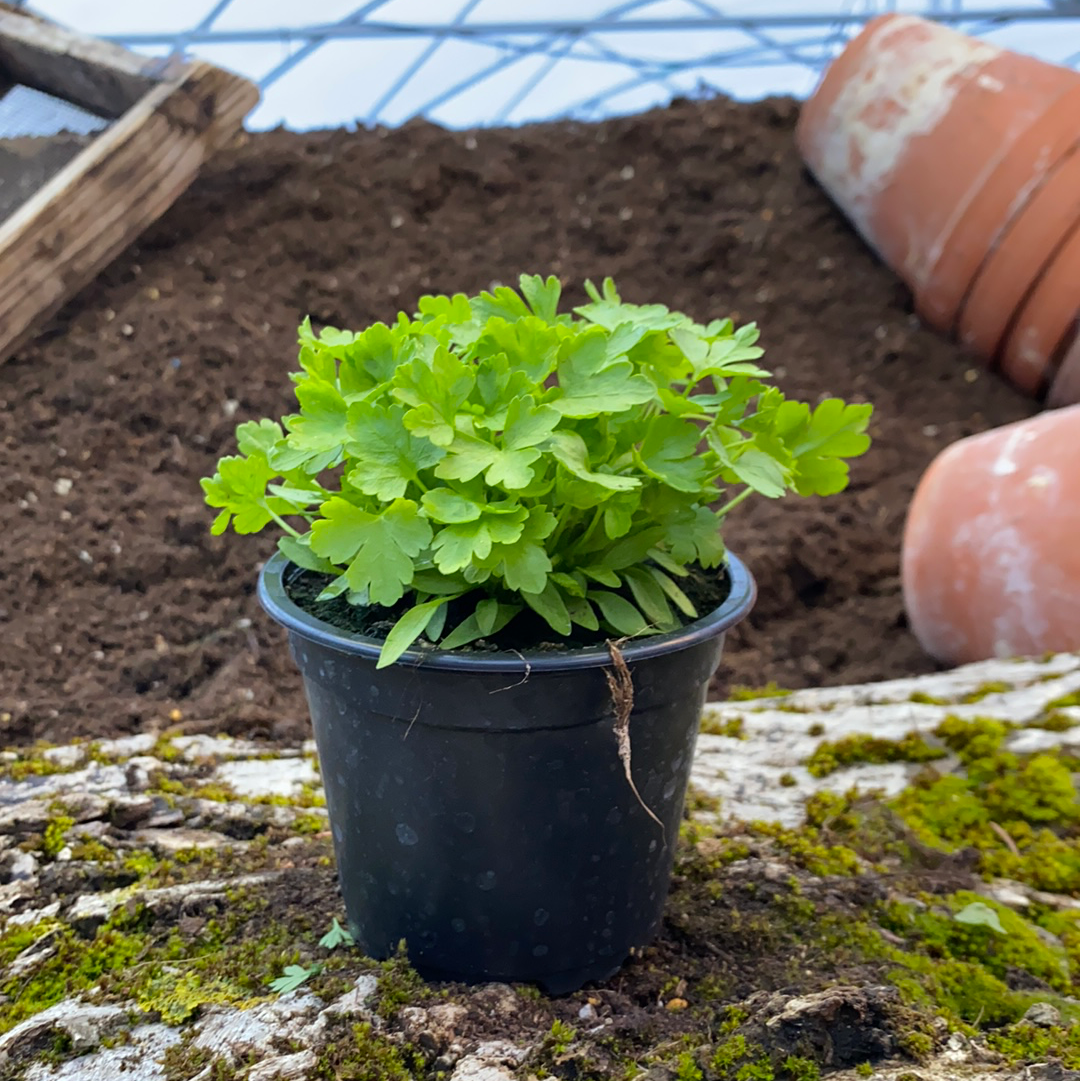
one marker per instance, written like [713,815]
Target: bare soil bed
[119,612]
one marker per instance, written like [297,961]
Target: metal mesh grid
[39,135]
[475,62]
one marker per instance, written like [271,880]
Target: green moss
[925,699]
[1020,813]
[559,1038]
[1053,722]
[1065,701]
[398,984]
[737,1059]
[1024,1042]
[52,840]
[800,1069]
[787,780]
[733,728]
[855,750]
[816,729]
[131,957]
[686,1068]
[865,1069]
[309,823]
[747,694]
[91,849]
[987,689]
[183,1061]
[1020,948]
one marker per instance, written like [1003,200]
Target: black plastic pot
[478,805]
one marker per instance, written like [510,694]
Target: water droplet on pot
[540,917]
[486,880]
[465,821]
[406,834]
[458,924]
[614,816]
[540,951]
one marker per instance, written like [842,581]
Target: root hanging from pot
[622,699]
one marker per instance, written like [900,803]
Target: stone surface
[194,799]
[745,772]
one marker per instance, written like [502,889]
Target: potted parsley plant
[503,578]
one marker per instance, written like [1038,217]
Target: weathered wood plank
[57,241]
[103,78]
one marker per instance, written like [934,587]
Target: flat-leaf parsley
[493,451]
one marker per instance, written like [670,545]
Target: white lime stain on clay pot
[858,149]
[1004,463]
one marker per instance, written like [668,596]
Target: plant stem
[284,525]
[734,502]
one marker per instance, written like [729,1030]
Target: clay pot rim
[1060,114]
[971,330]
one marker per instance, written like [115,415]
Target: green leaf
[298,549]
[550,606]
[336,936]
[658,555]
[470,456]
[473,627]
[294,977]
[762,472]
[618,612]
[407,629]
[608,310]
[633,550]
[695,536]
[591,384]
[669,453]
[543,296]
[239,487]
[320,424]
[254,436]
[571,453]
[618,518]
[386,457]
[603,575]
[649,596]
[527,423]
[581,613]
[459,544]
[819,440]
[446,505]
[979,914]
[528,346]
[381,546]
[678,597]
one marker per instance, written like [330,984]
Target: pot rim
[277,603]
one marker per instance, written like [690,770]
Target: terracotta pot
[930,141]
[1027,248]
[991,564]
[1045,320]
[1065,389]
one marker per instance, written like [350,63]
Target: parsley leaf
[489,454]
[378,548]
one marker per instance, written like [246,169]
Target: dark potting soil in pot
[706,590]
[116,605]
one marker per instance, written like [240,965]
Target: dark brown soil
[118,609]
